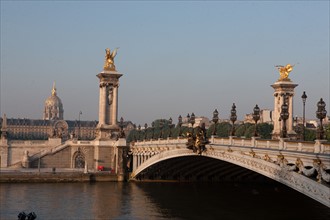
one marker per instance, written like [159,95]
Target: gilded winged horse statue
[284,71]
[109,59]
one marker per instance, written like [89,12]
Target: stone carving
[281,161]
[109,59]
[267,158]
[198,141]
[110,95]
[284,71]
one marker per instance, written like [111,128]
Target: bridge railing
[318,147]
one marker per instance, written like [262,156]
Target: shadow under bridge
[198,168]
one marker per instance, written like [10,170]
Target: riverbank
[54,176]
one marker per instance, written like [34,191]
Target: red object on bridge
[100,168]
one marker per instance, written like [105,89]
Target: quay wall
[56,177]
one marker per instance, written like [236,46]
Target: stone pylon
[4,147]
[284,92]
[108,104]
[109,147]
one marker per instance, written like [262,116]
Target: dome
[53,107]
[53,101]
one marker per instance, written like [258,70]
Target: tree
[327,131]
[310,135]
[265,130]
[222,129]
[242,129]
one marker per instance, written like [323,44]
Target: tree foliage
[163,129]
[310,134]
[327,131]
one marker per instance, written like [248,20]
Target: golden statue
[284,71]
[109,59]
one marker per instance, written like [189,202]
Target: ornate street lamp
[304,97]
[284,116]
[256,117]
[192,120]
[179,124]
[321,114]
[233,118]
[215,119]
[188,118]
[170,126]
[139,132]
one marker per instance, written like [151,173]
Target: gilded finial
[284,71]
[54,89]
[109,63]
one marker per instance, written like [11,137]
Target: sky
[176,57]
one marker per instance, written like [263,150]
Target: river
[154,200]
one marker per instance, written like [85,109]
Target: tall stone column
[114,113]
[4,147]
[102,104]
[109,100]
[284,92]
[108,103]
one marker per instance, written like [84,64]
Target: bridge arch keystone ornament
[197,141]
[294,168]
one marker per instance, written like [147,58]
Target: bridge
[299,165]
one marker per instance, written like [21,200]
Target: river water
[151,200]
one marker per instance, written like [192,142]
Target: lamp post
[321,114]
[161,124]
[179,124]
[170,126]
[284,116]
[192,120]
[304,97]
[139,129]
[188,119]
[233,118]
[80,113]
[256,117]
[215,119]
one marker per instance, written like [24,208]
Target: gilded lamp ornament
[109,59]
[284,72]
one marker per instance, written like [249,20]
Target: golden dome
[53,106]
[54,101]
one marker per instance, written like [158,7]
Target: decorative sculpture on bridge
[109,63]
[284,71]
[198,141]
